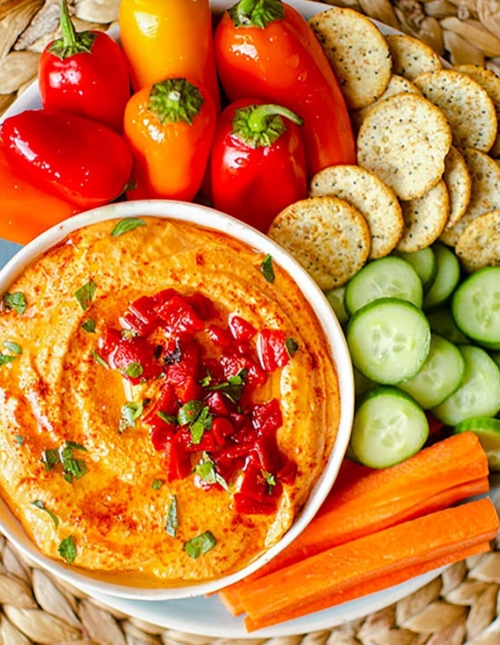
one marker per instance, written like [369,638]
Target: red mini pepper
[85,73]
[258,163]
[265,48]
[79,160]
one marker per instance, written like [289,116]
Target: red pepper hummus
[168,401]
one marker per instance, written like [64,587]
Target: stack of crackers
[428,157]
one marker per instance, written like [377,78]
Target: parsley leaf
[200,544]
[157,484]
[131,411]
[39,504]
[89,326]
[291,346]
[126,225]
[172,521]
[203,422]
[15,301]
[233,387]
[20,439]
[207,472]
[188,412]
[72,468]
[85,294]
[168,418]
[6,358]
[134,370]
[13,347]
[267,269]
[67,550]
[270,481]
[99,359]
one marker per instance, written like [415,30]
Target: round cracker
[357,51]
[397,85]
[411,57]
[371,197]
[485,193]
[425,219]
[467,106]
[326,235]
[458,182]
[490,82]
[479,244]
[404,141]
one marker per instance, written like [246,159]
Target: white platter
[207,616]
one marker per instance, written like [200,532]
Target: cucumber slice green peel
[389,340]
[488,433]
[475,307]
[439,377]
[389,277]
[389,427]
[447,277]
[424,262]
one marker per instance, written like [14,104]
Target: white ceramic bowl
[207,217]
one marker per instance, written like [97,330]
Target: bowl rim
[196,214]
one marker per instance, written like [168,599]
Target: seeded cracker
[490,82]
[404,141]
[479,244]
[425,219]
[357,51]
[485,192]
[411,57]
[397,85]
[371,197]
[468,108]
[327,236]
[458,182]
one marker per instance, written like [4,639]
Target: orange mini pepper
[170,128]
[25,210]
[168,38]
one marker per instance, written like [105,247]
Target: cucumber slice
[447,277]
[475,307]
[336,299]
[389,277]
[389,340]
[424,262]
[362,385]
[496,357]
[479,394]
[441,321]
[488,433]
[388,428]
[439,377]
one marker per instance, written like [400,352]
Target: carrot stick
[356,591]
[365,501]
[230,595]
[356,563]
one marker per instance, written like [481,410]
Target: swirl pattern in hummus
[55,391]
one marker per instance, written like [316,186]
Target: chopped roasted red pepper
[266,417]
[179,316]
[271,345]
[241,329]
[177,460]
[219,335]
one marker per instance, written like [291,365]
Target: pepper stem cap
[262,125]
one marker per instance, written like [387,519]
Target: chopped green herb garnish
[291,346]
[6,358]
[188,412]
[270,481]
[15,301]
[205,382]
[39,504]
[85,294]
[67,550]
[267,269]
[207,472]
[200,544]
[202,422]
[89,326]
[168,418]
[99,359]
[20,439]
[134,370]
[233,387]
[126,225]
[172,521]
[157,484]
[50,458]
[72,468]
[13,347]
[131,411]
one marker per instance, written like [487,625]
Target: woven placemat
[461,606]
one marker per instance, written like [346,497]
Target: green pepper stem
[258,120]
[67,27]
[245,8]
